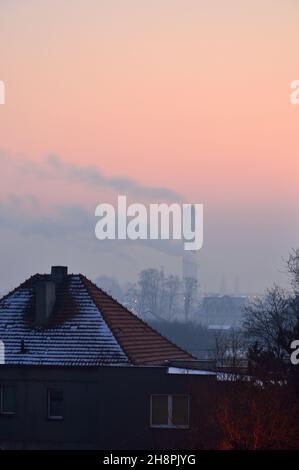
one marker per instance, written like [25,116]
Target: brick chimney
[45,294]
[58,273]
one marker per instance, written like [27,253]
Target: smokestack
[45,297]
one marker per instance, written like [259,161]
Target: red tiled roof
[141,343]
[87,328]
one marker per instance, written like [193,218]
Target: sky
[173,100]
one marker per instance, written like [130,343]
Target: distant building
[222,311]
[83,372]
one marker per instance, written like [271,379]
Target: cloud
[26,217]
[52,167]
[92,176]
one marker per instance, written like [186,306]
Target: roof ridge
[20,286]
[140,320]
[83,279]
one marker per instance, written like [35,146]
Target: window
[55,404]
[170,411]
[8,399]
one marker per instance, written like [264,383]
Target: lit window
[8,399]
[170,411]
[55,404]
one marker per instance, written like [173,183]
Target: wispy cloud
[91,175]
[55,168]
[26,217]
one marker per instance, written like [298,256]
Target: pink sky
[190,95]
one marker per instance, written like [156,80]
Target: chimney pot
[58,273]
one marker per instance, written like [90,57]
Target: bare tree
[190,291]
[229,349]
[150,286]
[251,416]
[270,322]
[164,297]
[293,269]
[172,286]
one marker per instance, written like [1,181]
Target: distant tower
[237,286]
[222,289]
[190,265]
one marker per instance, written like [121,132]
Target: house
[80,371]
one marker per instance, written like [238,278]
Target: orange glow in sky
[188,95]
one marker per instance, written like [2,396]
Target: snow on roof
[185,371]
[86,328]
